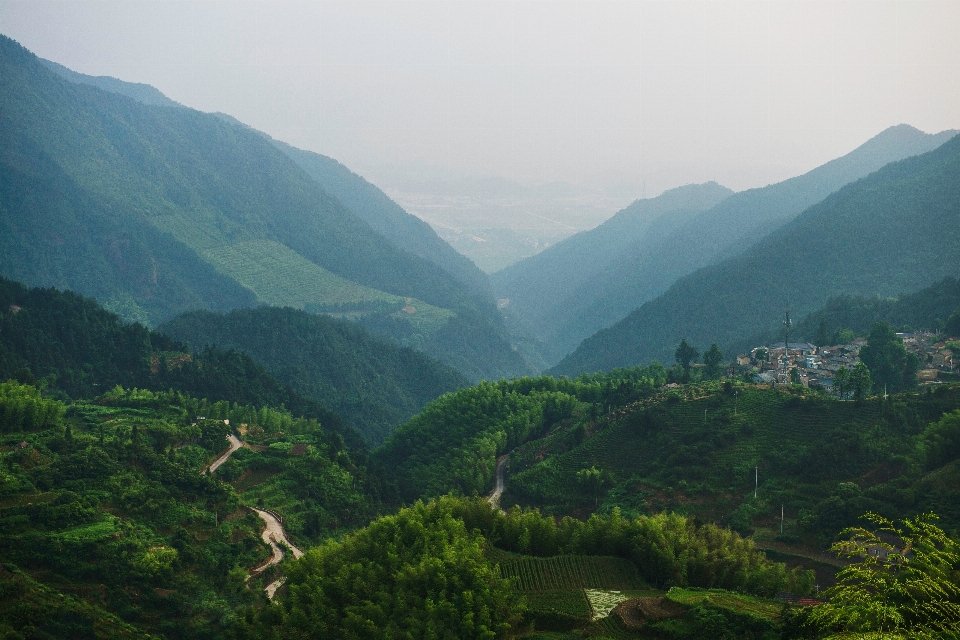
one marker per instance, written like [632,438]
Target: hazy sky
[597,93]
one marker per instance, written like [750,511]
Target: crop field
[757,607]
[569,602]
[571,572]
[279,276]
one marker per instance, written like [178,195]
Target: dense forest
[373,384]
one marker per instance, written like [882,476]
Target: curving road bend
[499,485]
[235,443]
[273,532]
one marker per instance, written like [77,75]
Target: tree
[685,354]
[823,338]
[890,365]
[795,376]
[713,358]
[900,584]
[840,380]
[860,382]
[761,354]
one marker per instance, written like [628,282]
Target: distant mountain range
[157,210]
[602,280]
[896,230]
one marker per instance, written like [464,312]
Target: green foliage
[940,441]
[860,382]
[419,573]
[22,408]
[713,359]
[373,384]
[902,582]
[892,368]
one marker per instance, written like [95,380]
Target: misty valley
[246,393]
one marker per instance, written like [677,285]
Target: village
[815,367]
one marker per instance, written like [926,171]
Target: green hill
[933,308]
[896,230]
[157,210]
[373,384]
[79,350]
[648,268]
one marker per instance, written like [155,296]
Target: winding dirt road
[499,484]
[235,443]
[273,532]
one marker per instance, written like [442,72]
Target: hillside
[388,218]
[895,230]
[158,210]
[373,384]
[933,308]
[727,229]
[538,286]
[77,349]
[111,530]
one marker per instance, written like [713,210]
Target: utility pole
[756,480]
[786,348]
[704,417]
[736,396]
[781,519]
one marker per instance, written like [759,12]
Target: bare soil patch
[636,611]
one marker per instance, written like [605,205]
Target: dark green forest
[373,384]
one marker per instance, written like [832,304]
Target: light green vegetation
[279,276]
[740,603]
[603,601]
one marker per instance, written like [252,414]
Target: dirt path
[273,532]
[235,443]
[499,484]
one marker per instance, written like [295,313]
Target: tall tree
[860,382]
[685,354]
[840,380]
[713,358]
[891,366]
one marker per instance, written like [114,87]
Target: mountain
[538,286]
[143,93]
[372,383]
[157,210]
[388,218]
[895,230]
[728,228]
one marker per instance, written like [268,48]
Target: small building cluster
[816,366]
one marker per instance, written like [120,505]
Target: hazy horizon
[596,94]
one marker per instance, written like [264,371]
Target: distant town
[813,366]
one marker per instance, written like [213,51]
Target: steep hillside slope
[388,218]
[732,226]
[374,384]
[538,286]
[158,210]
[896,230]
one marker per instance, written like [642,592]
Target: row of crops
[571,572]
[757,607]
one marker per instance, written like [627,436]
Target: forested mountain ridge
[156,211]
[362,198]
[373,384]
[727,229]
[895,230]
[538,286]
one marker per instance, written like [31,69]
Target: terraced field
[571,572]
[757,607]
